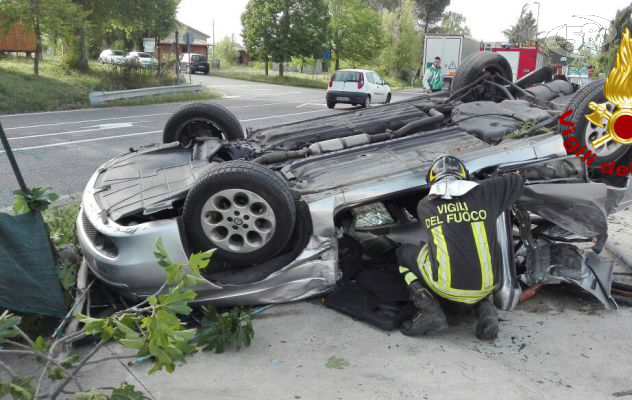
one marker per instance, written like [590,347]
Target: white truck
[451,48]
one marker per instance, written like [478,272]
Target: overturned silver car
[277,202]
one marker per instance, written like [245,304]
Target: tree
[612,39]
[227,49]
[52,17]
[453,23]
[556,47]
[380,5]
[525,29]
[281,29]
[354,31]
[430,12]
[403,42]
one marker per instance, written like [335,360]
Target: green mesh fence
[28,277]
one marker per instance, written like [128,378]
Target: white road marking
[231,97]
[144,133]
[312,104]
[126,117]
[82,121]
[82,141]
[90,129]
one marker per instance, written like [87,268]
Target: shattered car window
[372,215]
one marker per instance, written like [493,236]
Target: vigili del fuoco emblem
[616,114]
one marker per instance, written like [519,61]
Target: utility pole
[213,52]
[177,59]
[537,23]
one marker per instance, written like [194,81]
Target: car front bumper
[134,272]
[337,96]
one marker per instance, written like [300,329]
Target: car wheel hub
[238,220]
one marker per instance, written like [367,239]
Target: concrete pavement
[62,149]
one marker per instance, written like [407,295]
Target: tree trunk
[82,61]
[38,47]
[281,68]
[267,61]
[337,67]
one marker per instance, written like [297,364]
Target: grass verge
[317,81]
[166,98]
[58,88]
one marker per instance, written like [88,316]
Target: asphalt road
[62,149]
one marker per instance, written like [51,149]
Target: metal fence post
[14,164]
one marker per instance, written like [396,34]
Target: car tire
[388,99]
[221,203]
[473,66]
[585,131]
[200,120]
[367,102]
[331,105]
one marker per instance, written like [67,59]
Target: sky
[485,18]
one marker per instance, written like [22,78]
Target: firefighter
[460,261]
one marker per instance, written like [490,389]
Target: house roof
[199,37]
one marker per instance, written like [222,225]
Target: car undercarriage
[284,205]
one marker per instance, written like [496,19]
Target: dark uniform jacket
[461,260]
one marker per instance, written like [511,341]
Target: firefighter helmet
[446,165]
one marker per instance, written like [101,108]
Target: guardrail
[97,98]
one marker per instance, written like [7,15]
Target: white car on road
[357,87]
[110,56]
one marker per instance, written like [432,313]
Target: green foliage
[93,394]
[429,12]
[524,31]
[126,392]
[402,54]
[19,388]
[160,334]
[8,323]
[355,31]
[61,222]
[37,199]
[227,50]
[453,23]
[219,331]
[282,29]
[336,363]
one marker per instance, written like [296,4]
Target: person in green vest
[433,78]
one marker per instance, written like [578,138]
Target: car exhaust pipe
[331,145]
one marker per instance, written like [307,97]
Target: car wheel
[331,105]
[388,99]
[201,120]
[242,209]
[367,102]
[473,66]
[585,131]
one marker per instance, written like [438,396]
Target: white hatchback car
[110,56]
[357,87]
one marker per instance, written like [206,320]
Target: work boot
[487,325]
[430,317]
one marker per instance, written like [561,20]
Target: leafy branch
[152,328]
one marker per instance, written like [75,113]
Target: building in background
[167,45]
[18,40]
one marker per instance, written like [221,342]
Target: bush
[133,76]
